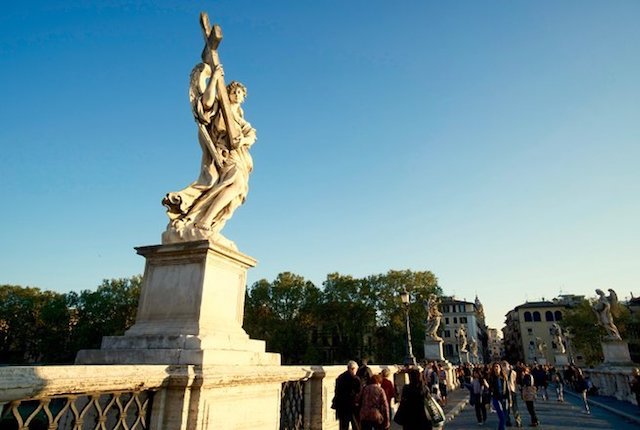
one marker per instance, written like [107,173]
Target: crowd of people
[500,386]
[366,401]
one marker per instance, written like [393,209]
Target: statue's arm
[210,94]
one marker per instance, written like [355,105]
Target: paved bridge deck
[606,413]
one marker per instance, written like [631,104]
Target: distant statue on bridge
[558,337]
[541,346]
[462,339]
[200,210]
[473,346]
[603,308]
[434,316]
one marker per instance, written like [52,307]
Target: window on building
[455,320]
[463,320]
[527,316]
[447,333]
[548,316]
[558,316]
[445,308]
[461,308]
[448,349]
[553,345]
[446,320]
[536,316]
[529,330]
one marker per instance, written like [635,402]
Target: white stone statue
[462,339]
[473,345]
[541,346]
[558,337]
[200,210]
[434,316]
[603,307]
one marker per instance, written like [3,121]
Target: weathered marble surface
[603,308]
[433,350]
[190,311]
[434,316]
[201,210]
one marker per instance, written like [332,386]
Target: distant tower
[479,308]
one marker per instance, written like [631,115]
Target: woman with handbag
[374,407]
[529,395]
[411,414]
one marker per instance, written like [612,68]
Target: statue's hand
[218,72]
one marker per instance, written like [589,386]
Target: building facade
[528,333]
[457,313]
[495,344]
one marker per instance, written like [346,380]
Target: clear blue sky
[495,143]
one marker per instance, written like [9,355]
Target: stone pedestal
[561,360]
[190,311]
[464,357]
[616,352]
[433,350]
[541,360]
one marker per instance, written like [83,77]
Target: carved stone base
[433,350]
[190,311]
[616,352]
[464,357]
[561,360]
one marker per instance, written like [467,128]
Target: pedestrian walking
[374,407]
[345,401]
[498,389]
[529,395]
[635,385]
[582,387]
[558,380]
[411,413]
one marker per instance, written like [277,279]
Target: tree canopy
[346,318]
[349,318]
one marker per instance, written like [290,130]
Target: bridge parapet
[172,397]
[613,381]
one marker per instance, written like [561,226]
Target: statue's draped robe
[221,168]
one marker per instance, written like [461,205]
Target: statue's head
[237,92]
[599,292]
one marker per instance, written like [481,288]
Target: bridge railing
[162,397]
[615,382]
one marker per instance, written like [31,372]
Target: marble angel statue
[603,307]
[200,210]
[558,337]
[474,347]
[434,316]
[462,339]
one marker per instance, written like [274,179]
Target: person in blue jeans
[498,388]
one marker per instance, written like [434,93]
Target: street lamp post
[409,360]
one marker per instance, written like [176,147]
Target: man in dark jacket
[344,401]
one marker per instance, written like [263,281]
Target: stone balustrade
[167,397]
[613,381]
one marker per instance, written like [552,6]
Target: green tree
[281,312]
[107,311]
[384,292]
[34,325]
[346,319]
